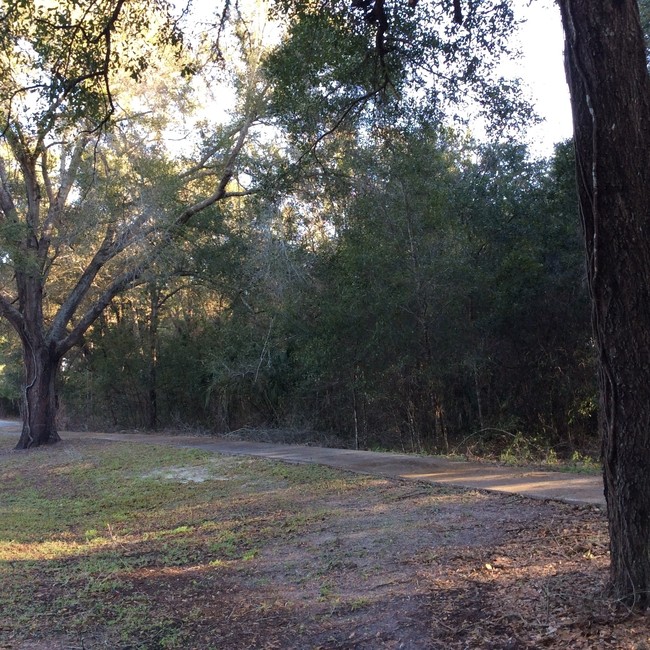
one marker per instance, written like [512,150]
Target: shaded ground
[151,547]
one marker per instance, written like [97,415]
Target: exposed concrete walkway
[561,486]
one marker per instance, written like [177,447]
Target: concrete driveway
[560,486]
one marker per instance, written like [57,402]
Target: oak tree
[82,214]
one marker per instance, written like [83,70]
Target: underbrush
[488,445]
[517,449]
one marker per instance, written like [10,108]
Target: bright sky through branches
[542,69]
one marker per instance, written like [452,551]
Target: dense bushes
[436,297]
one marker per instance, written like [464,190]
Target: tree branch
[106,252]
[359,101]
[14,317]
[57,201]
[226,176]
[6,200]
[47,182]
[126,281]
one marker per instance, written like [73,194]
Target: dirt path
[560,486]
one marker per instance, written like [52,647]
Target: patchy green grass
[86,524]
[127,546]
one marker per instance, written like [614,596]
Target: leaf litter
[295,558]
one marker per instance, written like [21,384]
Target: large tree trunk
[610,95]
[39,401]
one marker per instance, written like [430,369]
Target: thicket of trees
[436,296]
[134,269]
[333,254]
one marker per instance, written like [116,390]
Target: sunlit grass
[85,523]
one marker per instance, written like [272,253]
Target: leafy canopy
[57,59]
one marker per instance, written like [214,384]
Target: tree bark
[610,96]
[153,357]
[39,401]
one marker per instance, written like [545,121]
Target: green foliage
[168,362]
[60,59]
[317,84]
[446,299]
[339,69]
[453,301]
[402,286]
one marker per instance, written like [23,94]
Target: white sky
[542,68]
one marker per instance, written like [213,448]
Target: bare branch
[201,164]
[226,176]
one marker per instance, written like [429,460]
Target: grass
[128,546]
[85,523]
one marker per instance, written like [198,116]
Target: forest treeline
[231,228]
[424,294]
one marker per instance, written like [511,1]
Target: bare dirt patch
[184,474]
[296,557]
